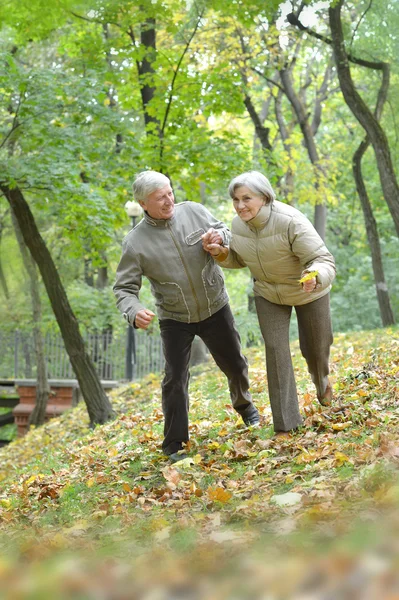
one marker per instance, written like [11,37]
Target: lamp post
[133,210]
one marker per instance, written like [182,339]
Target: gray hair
[256,182]
[147,182]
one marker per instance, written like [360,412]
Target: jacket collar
[260,220]
[159,222]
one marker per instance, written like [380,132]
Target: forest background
[91,92]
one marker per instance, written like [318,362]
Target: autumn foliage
[89,511]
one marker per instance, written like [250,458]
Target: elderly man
[188,286]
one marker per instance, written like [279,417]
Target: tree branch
[255,70]
[293,20]
[359,22]
[175,73]
[15,123]
[97,21]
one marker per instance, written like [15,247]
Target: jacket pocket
[167,295]
[194,237]
[213,281]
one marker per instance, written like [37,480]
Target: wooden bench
[64,394]
[8,399]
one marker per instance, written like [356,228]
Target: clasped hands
[212,242]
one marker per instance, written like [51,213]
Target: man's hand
[212,241]
[144,318]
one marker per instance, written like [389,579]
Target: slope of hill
[89,511]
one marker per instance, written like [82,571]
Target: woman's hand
[310,285]
[308,281]
[212,242]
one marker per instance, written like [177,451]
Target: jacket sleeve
[211,221]
[128,283]
[232,261]
[313,255]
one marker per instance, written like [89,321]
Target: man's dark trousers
[223,341]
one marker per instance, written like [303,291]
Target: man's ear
[142,204]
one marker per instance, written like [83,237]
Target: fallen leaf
[218,494]
[287,499]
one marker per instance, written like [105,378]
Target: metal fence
[108,352]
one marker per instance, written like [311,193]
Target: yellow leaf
[219,494]
[307,457]
[213,445]
[308,276]
[34,477]
[341,458]
[90,482]
[341,426]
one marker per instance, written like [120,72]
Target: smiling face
[160,204]
[247,203]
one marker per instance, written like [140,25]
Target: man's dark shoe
[175,457]
[252,421]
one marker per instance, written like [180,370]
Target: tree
[98,405]
[358,106]
[384,301]
[38,415]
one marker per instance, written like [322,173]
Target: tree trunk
[287,187]
[3,281]
[198,352]
[146,70]
[384,302]
[364,115]
[261,131]
[98,405]
[38,415]
[102,277]
[320,212]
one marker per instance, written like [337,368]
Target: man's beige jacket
[278,245]
[187,284]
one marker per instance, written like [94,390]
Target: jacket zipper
[257,252]
[260,263]
[185,268]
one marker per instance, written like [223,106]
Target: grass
[69,493]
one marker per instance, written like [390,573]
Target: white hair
[147,182]
[256,182]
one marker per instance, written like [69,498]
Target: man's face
[160,204]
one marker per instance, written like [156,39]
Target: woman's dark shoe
[326,398]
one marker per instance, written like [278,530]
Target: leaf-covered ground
[103,514]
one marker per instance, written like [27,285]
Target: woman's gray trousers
[315,339]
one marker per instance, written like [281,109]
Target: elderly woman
[280,247]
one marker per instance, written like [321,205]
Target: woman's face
[247,203]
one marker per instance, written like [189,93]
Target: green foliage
[72,131]
[94,309]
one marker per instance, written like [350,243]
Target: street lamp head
[133,209]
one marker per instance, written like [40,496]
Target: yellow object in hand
[308,276]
